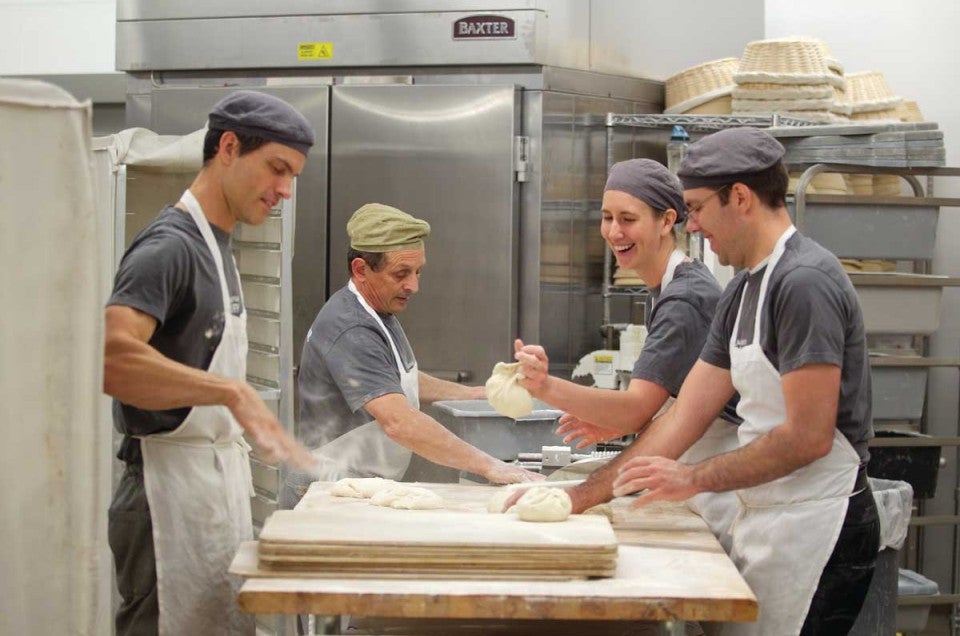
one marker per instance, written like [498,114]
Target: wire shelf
[704,122]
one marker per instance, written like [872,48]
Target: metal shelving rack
[907,212]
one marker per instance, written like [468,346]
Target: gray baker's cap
[265,116]
[727,155]
[649,181]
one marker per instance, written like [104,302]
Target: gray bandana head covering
[725,156]
[264,116]
[650,182]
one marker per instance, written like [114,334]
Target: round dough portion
[387,496]
[498,498]
[505,395]
[418,499]
[407,498]
[360,487]
[544,504]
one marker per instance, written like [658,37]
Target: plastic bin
[878,616]
[477,423]
[879,612]
[916,465]
[913,618]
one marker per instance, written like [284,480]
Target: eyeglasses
[694,211]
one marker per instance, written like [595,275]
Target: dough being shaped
[387,496]
[544,504]
[497,499]
[407,498]
[604,509]
[360,487]
[505,395]
[418,499]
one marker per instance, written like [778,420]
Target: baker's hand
[662,479]
[499,472]
[268,435]
[534,366]
[572,427]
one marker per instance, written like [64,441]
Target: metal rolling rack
[900,228]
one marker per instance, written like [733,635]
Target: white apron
[717,509]
[198,485]
[788,528]
[368,445]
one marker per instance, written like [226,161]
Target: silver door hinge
[520,161]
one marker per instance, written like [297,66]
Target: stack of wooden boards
[880,144]
[374,542]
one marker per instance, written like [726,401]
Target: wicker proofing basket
[783,91]
[868,91]
[910,111]
[785,61]
[699,84]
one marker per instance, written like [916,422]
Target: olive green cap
[376,227]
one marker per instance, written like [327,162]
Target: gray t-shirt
[169,274]
[346,362]
[677,329]
[811,315]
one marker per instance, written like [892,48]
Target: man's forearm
[137,374]
[428,438]
[771,456]
[626,411]
[434,389]
[598,488]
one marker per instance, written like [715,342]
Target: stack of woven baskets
[795,76]
[791,76]
[871,100]
[704,89]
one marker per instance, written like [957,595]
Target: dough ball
[418,499]
[407,498]
[544,504]
[601,509]
[498,498]
[505,395]
[387,496]
[360,487]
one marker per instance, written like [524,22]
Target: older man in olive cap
[175,362]
[360,388]
[788,336]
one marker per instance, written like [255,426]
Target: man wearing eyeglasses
[788,335]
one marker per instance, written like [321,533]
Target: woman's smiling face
[632,229]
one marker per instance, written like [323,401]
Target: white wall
[55,37]
[916,46]
[667,36]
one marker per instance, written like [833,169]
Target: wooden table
[669,568]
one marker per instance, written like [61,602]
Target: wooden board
[650,584]
[669,566]
[347,536]
[438,529]
[247,564]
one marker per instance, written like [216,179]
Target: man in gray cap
[360,388]
[175,363]
[788,335]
